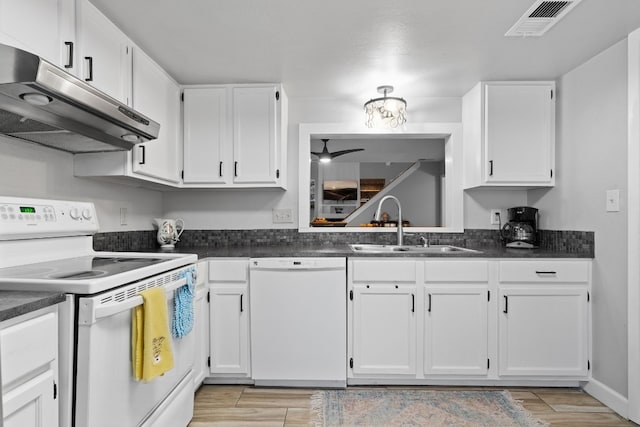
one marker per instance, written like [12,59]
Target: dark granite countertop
[343,250]
[15,303]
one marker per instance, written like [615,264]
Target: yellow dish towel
[150,338]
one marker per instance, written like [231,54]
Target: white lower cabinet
[382,310]
[384,329]
[455,328]
[544,318]
[31,403]
[434,321]
[439,321]
[229,318]
[29,369]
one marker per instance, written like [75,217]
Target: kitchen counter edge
[344,251]
[16,303]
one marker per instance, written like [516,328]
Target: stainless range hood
[41,103]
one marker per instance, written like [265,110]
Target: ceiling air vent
[543,15]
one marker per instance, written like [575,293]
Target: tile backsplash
[582,242]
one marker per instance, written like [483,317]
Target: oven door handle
[100,311]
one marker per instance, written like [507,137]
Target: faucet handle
[425,242]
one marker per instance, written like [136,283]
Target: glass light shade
[385,112]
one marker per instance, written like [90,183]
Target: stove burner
[76,269]
[79,275]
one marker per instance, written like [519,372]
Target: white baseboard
[608,396]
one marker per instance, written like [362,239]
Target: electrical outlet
[281,216]
[495,216]
[123,216]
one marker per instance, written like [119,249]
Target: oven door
[106,392]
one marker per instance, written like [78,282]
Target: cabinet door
[518,133]
[206,136]
[31,403]
[455,330]
[543,330]
[46,32]
[229,329]
[157,96]
[255,134]
[384,330]
[201,330]
[105,53]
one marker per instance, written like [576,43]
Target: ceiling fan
[325,156]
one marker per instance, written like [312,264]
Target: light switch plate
[123,216]
[281,216]
[613,200]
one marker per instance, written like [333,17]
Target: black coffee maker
[521,231]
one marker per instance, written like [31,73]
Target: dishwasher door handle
[293,264]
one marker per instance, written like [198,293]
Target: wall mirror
[420,165]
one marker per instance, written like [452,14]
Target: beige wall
[591,157]
[29,170]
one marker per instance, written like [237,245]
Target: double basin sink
[418,249]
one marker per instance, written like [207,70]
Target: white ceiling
[346,48]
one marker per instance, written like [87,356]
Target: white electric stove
[47,245]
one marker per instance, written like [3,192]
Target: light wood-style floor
[266,407]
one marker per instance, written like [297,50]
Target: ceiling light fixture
[387,111]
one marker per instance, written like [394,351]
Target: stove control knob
[74,213]
[86,214]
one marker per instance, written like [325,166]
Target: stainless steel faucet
[379,211]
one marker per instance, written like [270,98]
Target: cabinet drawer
[544,271]
[456,271]
[28,346]
[228,270]
[384,270]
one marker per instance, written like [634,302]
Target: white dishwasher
[298,311]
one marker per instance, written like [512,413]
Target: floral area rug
[388,407]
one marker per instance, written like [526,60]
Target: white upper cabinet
[235,136]
[157,96]
[205,132]
[104,54]
[49,32]
[113,64]
[254,134]
[509,134]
